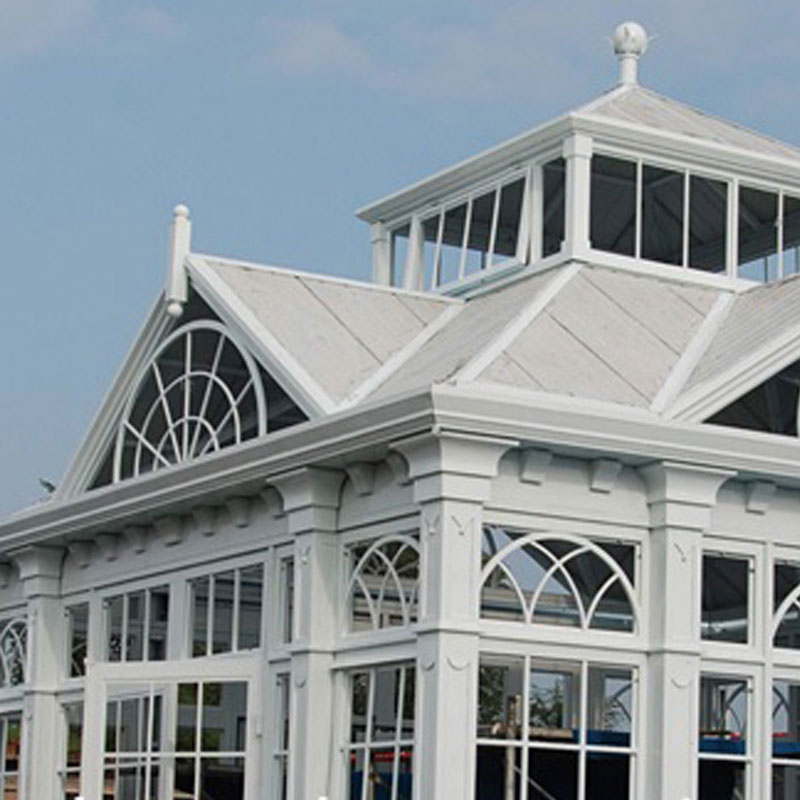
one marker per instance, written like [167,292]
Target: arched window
[13,652]
[384,583]
[199,393]
[559,579]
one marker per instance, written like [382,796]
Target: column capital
[39,569]
[578,145]
[449,465]
[308,486]
[682,495]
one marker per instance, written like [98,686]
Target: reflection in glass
[554,701]
[758,234]
[785,782]
[610,706]
[78,621]
[725,598]
[723,715]
[785,719]
[359,689]
[500,690]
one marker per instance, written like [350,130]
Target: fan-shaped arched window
[786,620]
[13,652]
[199,393]
[559,579]
[384,583]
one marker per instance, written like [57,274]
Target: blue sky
[274,122]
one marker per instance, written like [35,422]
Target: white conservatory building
[517,520]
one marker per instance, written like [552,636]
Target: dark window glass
[200,593]
[553,206]
[78,619]
[552,773]
[134,648]
[787,579]
[758,234]
[721,780]
[613,205]
[725,598]
[251,583]
[455,220]
[610,713]
[114,622]
[430,234]
[499,773]
[786,719]
[158,623]
[480,231]
[607,776]
[222,627]
[399,253]
[708,226]
[662,215]
[785,782]
[505,242]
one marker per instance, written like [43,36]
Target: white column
[381,254]
[42,749]
[452,479]
[681,498]
[578,156]
[311,500]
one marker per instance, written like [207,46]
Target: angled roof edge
[714,394]
[90,452]
[291,375]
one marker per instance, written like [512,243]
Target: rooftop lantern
[632,179]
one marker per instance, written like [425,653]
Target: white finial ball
[181,211]
[630,39]
[175,309]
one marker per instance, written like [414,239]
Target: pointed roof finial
[630,43]
[177,290]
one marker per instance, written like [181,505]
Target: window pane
[785,719]
[723,715]
[721,780]
[184,777]
[505,243]
[355,760]
[725,598]
[359,699]
[555,694]
[283,712]
[13,732]
[452,243]
[553,773]
[385,703]
[708,214]
[499,773]
[610,706]
[200,589]
[159,620]
[409,700]
[500,690]
[662,215]
[607,776]
[613,205]
[791,235]
[287,600]
[186,721]
[222,778]
[78,616]
[480,228]
[381,774]
[134,647]
[399,253]
[251,582]
[224,717]
[553,216]
[758,234]
[785,783]
[114,623]
[73,716]
[222,641]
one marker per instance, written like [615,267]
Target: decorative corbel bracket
[603,475]
[362,476]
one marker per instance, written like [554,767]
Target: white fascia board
[392,364]
[331,442]
[714,394]
[283,367]
[102,429]
[508,154]
[687,150]
[634,437]
[473,368]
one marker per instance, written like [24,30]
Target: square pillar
[577,153]
[311,500]
[680,498]
[452,480]
[42,750]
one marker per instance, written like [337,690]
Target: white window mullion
[583,717]
[686,206]
[462,264]
[638,215]
[493,232]
[437,253]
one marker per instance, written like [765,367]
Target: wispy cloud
[31,27]
[156,22]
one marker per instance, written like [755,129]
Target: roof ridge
[478,363]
